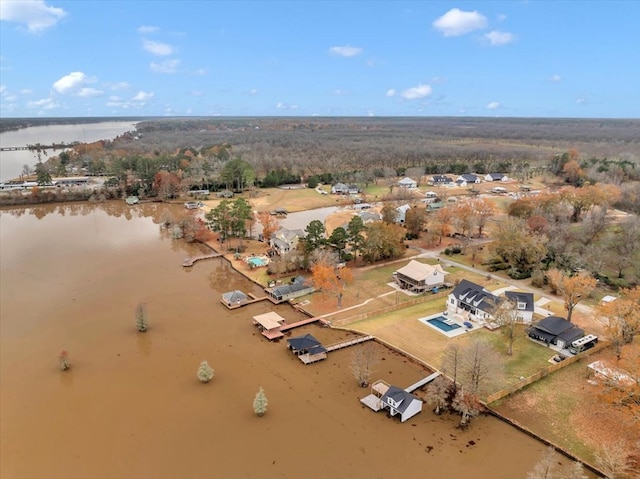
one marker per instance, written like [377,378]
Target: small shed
[235,299]
[269,324]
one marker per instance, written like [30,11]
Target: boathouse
[307,348]
[235,298]
[400,402]
[269,324]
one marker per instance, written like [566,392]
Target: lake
[71,277]
[12,162]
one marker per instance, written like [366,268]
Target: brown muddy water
[131,406]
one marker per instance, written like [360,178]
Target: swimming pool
[440,323]
[256,262]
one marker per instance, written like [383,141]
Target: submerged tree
[467,404]
[142,323]
[64,362]
[543,469]
[363,361]
[260,403]
[439,394]
[205,372]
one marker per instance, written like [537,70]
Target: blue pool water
[439,323]
[256,262]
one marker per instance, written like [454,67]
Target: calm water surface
[131,407]
[12,162]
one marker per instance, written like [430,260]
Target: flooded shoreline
[131,406]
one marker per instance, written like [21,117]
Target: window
[522,305]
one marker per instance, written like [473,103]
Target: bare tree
[439,394]
[544,467]
[467,404]
[451,362]
[614,461]
[505,313]
[363,362]
[479,363]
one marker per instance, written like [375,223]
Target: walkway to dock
[346,344]
[286,327]
[191,261]
[252,299]
[422,382]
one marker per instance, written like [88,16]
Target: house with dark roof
[307,348]
[555,330]
[440,180]
[470,178]
[419,277]
[400,402]
[299,286]
[524,303]
[473,300]
[285,240]
[496,177]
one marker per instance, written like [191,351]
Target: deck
[287,327]
[372,401]
[422,382]
[188,262]
[307,358]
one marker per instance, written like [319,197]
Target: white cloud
[345,51]
[501,17]
[72,83]
[555,78]
[253,91]
[416,92]
[44,104]
[3,88]
[167,66]
[142,96]
[36,14]
[371,113]
[26,91]
[284,106]
[581,101]
[146,29]
[391,92]
[157,48]
[339,92]
[115,98]
[458,22]
[497,38]
[90,92]
[122,85]
[494,105]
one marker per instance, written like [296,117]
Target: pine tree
[205,372]
[142,323]
[260,403]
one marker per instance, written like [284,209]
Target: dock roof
[270,320]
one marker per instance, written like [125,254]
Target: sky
[320,58]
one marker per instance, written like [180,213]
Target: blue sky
[342,58]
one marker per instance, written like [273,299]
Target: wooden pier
[188,262]
[286,327]
[346,344]
[422,382]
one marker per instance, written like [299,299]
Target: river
[12,162]
[71,277]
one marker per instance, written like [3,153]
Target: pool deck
[449,334]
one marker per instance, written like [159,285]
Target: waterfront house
[285,240]
[407,183]
[524,304]
[555,330]
[299,286]
[472,299]
[400,402]
[419,277]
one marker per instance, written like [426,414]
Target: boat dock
[188,262]
[422,382]
[346,344]
[251,299]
